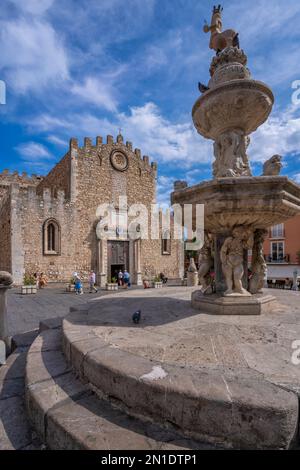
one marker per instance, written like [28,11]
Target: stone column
[295,280]
[101,275]
[192,274]
[137,255]
[219,277]
[4,337]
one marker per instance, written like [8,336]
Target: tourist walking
[92,282]
[78,286]
[126,279]
[120,278]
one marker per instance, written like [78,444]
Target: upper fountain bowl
[233,100]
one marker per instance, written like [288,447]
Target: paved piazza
[174,333]
[26,311]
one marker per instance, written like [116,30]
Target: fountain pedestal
[238,208]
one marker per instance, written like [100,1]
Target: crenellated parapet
[102,149]
[8,177]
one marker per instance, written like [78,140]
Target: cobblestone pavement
[26,311]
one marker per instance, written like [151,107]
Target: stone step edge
[54,403]
[199,403]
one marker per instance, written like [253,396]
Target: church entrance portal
[118,257]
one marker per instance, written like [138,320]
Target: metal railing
[277,259]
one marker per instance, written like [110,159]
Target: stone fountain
[239,208]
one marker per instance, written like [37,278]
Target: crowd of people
[122,277]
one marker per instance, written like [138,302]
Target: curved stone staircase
[70,390]
[59,411]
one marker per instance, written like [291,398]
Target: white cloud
[279,135]
[57,141]
[145,126]
[32,56]
[36,7]
[98,92]
[33,151]
[296,178]
[164,140]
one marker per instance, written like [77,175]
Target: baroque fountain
[239,207]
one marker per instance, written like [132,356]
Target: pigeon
[202,88]
[136,317]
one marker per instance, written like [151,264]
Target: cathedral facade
[51,224]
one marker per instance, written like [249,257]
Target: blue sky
[85,68]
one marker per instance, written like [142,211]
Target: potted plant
[157,282]
[29,285]
[71,286]
[112,285]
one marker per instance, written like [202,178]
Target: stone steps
[68,415]
[16,432]
[235,408]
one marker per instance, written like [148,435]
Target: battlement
[47,197]
[7,178]
[110,141]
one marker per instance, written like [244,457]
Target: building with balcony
[282,249]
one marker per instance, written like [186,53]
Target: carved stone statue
[205,263]
[230,150]
[259,266]
[220,40]
[273,166]
[232,258]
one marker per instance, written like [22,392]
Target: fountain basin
[236,104]
[259,202]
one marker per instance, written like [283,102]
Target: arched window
[166,242]
[51,237]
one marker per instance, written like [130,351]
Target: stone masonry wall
[58,178]
[97,182]
[89,179]
[5,233]
[30,211]
[7,178]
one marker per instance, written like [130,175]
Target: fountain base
[233,305]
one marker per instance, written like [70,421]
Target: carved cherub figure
[205,262]
[230,150]
[259,266]
[232,257]
[273,166]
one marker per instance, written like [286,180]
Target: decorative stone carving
[119,160]
[232,258]
[230,55]
[220,40]
[273,166]
[230,151]
[229,65]
[205,263]
[259,266]
[236,104]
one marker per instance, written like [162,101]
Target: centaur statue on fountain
[220,40]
